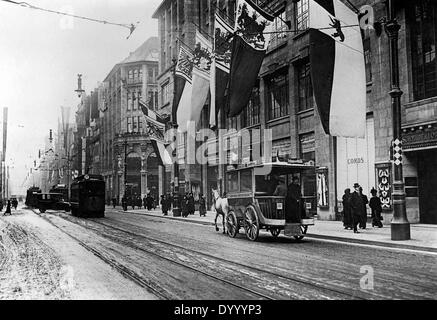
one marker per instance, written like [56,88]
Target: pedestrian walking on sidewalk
[124,203]
[164,205]
[190,203]
[114,202]
[357,207]
[376,206]
[363,221]
[202,205]
[347,212]
[8,208]
[145,202]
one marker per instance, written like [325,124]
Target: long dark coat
[293,208]
[347,210]
[357,206]
[190,205]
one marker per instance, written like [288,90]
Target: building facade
[283,101]
[127,160]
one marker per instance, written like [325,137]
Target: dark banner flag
[183,75]
[337,68]
[250,44]
[221,65]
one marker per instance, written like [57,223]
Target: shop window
[411,187]
[277,96]
[422,16]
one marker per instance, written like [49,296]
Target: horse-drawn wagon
[263,196]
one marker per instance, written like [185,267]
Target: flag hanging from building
[337,68]
[220,67]
[161,151]
[152,116]
[202,58]
[183,80]
[249,47]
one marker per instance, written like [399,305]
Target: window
[277,96]
[150,101]
[135,74]
[233,182]
[306,100]
[246,181]
[302,9]
[140,124]
[164,94]
[135,101]
[129,124]
[140,74]
[280,29]
[150,75]
[368,59]
[307,147]
[130,75]
[135,124]
[250,115]
[423,48]
[129,101]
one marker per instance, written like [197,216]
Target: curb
[309,235]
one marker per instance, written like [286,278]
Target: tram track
[329,292]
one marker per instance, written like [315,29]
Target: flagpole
[400,227]
[176,209]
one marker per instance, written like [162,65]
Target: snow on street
[38,261]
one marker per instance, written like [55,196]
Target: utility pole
[400,227]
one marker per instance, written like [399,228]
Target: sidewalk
[423,237]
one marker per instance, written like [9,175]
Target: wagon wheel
[251,224]
[275,232]
[232,224]
[304,231]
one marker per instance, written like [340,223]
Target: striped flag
[163,154]
[183,80]
[189,109]
[337,68]
[152,116]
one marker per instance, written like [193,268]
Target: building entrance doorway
[427,166]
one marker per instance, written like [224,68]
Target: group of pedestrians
[355,209]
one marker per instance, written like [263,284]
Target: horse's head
[215,194]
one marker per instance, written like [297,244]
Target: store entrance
[428,186]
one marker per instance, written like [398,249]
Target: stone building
[123,140]
[283,102]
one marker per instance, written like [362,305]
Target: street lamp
[400,227]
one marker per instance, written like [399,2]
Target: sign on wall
[383,176]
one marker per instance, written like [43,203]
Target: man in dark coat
[202,205]
[363,220]
[376,206]
[124,203]
[347,213]
[294,196]
[8,208]
[114,202]
[164,205]
[190,203]
[357,206]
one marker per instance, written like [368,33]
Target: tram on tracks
[62,189]
[31,197]
[52,200]
[255,202]
[88,196]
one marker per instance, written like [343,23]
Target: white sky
[41,54]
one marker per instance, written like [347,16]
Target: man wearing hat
[357,207]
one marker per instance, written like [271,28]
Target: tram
[254,205]
[62,189]
[88,196]
[31,197]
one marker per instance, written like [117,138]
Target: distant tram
[31,197]
[88,196]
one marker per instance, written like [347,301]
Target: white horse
[221,207]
